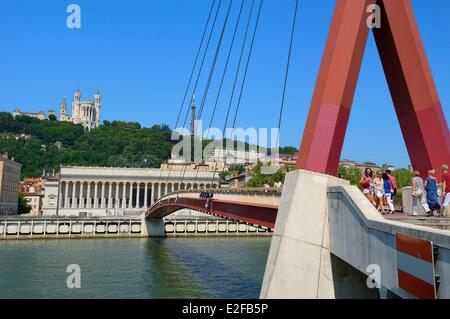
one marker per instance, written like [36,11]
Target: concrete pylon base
[156,228]
[300,264]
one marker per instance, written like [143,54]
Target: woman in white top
[378,185]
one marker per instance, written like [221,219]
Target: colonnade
[79,194]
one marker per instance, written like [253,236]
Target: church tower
[63,110]
[76,105]
[95,117]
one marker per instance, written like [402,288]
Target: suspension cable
[239,66]
[203,60]
[223,76]
[199,72]
[225,69]
[214,62]
[191,74]
[246,67]
[195,64]
[211,72]
[244,78]
[287,73]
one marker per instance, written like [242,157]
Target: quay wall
[20,228]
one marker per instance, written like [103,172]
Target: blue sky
[140,53]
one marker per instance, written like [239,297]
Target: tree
[223,175]
[23,206]
[403,177]
[239,169]
[353,175]
[52,117]
[258,179]
[288,150]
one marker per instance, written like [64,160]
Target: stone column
[138,191]
[96,195]
[124,195]
[130,199]
[81,204]
[110,195]
[156,192]
[74,187]
[116,204]
[146,195]
[102,199]
[66,194]
[88,195]
[60,196]
[152,194]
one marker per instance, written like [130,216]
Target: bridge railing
[272,191]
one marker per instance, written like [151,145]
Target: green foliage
[224,174]
[353,175]
[288,150]
[52,117]
[23,206]
[258,179]
[403,177]
[239,169]
[116,144]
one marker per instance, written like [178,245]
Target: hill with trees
[47,144]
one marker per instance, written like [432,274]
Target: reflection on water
[135,268]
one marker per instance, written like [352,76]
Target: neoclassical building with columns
[105,191]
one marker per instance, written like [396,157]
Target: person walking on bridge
[445,188]
[418,194]
[393,181]
[378,185]
[366,183]
[431,187]
[388,192]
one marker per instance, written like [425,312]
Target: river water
[134,268]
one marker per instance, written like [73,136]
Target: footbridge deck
[250,205]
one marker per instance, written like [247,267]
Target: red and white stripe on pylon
[415,266]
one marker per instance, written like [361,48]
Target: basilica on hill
[86,113]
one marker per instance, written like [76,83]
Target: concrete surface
[326,236]
[299,263]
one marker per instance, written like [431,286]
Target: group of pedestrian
[379,190]
[426,192]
